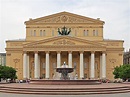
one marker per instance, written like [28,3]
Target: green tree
[7,72]
[122,71]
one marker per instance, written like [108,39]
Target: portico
[87,64]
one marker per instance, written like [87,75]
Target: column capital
[36,52]
[58,51]
[81,51]
[92,51]
[103,52]
[69,51]
[24,52]
[47,52]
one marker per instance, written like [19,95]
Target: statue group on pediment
[64,31]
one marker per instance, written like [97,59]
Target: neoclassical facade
[84,48]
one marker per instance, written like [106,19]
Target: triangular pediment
[63,17]
[64,41]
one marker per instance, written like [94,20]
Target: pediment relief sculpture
[64,42]
[64,19]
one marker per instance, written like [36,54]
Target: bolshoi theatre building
[64,37]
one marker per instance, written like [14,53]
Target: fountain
[64,78]
[64,70]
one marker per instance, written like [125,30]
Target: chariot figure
[64,31]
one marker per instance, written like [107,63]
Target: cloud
[115,13]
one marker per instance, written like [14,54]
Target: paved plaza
[100,95]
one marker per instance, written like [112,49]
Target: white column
[24,65]
[47,65]
[39,66]
[81,65]
[27,67]
[89,66]
[58,59]
[92,73]
[103,65]
[70,59]
[36,66]
[100,66]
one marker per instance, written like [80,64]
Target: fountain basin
[64,82]
[61,70]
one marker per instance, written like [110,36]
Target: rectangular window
[34,33]
[95,32]
[31,33]
[41,33]
[85,32]
[43,75]
[54,65]
[85,65]
[44,33]
[85,76]
[44,65]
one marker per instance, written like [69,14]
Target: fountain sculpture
[64,70]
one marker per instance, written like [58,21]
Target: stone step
[64,88]
[65,93]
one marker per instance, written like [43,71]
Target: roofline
[113,40]
[16,40]
[62,13]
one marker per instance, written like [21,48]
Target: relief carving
[64,42]
[113,61]
[63,19]
[16,60]
[112,44]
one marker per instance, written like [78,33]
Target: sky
[115,13]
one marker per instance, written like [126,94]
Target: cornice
[68,38]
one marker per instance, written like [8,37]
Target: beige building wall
[86,35]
